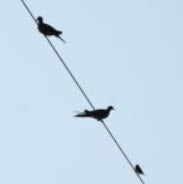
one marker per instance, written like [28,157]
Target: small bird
[138,170]
[98,114]
[48,30]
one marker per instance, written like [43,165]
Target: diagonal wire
[85,95]
[62,61]
[121,150]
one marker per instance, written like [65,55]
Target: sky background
[124,53]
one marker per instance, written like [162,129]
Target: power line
[122,151]
[62,61]
[84,94]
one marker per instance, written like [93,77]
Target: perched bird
[48,30]
[99,114]
[138,170]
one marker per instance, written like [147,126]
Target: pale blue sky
[124,53]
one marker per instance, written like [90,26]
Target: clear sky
[124,53]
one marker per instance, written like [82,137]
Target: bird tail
[83,114]
[61,39]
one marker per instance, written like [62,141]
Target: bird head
[40,19]
[110,108]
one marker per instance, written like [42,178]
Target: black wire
[62,61]
[70,73]
[121,150]
[27,8]
[85,96]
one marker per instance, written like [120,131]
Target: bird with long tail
[48,30]
[98,114]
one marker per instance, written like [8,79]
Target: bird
[48,30]
[98,114]
[138,170]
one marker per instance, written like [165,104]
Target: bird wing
[49,30]
[48,27]
[98,114]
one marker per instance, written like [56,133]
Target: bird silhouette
[138,170]
[48,30]
[98,114]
